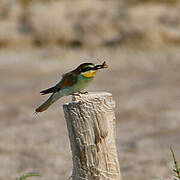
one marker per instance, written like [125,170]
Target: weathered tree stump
[91,122]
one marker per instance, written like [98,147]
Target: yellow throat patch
[89,74]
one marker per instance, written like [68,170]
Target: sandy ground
[145,85]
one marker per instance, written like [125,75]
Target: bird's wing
[68,79]
[49,90]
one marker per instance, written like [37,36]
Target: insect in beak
[103,65]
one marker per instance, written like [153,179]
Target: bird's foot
[78,93]
[82,92]
[75,94]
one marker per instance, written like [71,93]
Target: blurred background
[42,39]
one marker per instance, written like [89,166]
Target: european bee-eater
[71,83]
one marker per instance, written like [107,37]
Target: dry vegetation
[89,23]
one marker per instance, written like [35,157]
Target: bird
[72,83]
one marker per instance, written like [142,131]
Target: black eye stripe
[86,69]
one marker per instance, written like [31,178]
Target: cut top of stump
[92,96]
[103,99]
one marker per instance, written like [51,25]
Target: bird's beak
[102,66]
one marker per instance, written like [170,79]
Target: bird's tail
[54,97]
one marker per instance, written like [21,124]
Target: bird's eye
[85,69]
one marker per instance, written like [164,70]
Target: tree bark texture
[91,123]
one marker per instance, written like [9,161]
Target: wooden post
[91,122]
